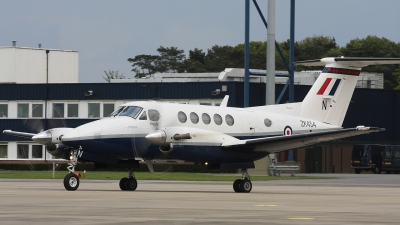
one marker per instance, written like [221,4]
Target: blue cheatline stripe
[335,86]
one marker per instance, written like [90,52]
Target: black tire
[131,184]
[357,171]
[236,185]
[122,184]
[377,170]
[388,172]
[71,182]
[246,186]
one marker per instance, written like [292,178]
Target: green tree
[112,74]
[171,60]
[315,47]
[196,61]
[144,65]
[220,57]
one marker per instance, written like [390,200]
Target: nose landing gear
[243,185]
[71,180]
[128,183]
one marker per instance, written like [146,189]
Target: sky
[107,33]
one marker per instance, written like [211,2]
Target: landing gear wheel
[377,170]
[71,182]
[246,186]
[236,185]
[131,184]
[122,184]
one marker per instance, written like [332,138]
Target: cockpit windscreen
[131,111]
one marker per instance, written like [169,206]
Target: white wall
[29,65]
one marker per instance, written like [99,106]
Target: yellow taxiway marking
[266,205]
[301,218]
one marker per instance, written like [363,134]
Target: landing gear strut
[243,185]
[71,180]
[128,183]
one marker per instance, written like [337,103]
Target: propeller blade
[150,165]
[18,134]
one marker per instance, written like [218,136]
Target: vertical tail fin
[329,97]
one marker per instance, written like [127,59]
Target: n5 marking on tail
[224,137]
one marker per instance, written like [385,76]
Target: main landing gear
[128,183]
[71,180]
[243,185]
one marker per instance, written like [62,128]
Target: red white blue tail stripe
[329,87]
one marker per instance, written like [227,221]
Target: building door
[313,161]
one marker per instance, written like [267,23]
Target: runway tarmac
[350,199]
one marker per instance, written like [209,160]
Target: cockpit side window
[117,111]
[143,116]
[154,115]
[131,111]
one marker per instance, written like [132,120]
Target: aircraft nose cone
[43,138]
[158,137]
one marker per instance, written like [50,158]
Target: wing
[282,143]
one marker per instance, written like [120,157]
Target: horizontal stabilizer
[349,61]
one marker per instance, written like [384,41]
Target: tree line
[217,58]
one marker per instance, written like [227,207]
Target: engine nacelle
[166,148]
[60,151]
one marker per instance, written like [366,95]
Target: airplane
[221,137]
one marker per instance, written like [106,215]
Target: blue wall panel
[369,107]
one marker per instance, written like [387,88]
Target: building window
[3,110]
[154,115]
[37,110]
[93,110]
[58,110]
[194,117]
[217,119]
[3,151]
[108,108]
[229,120]
[182,117]
[206,118]
[23,110]
[72,110]
[22,151]
[37,151]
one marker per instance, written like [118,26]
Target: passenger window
[267,122]
[143,116]
[194,117]
[217,119]
[154,115]
[182,117]
[206,118]
[229,120]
